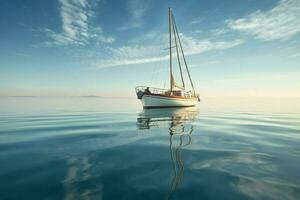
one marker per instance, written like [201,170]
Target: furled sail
[175,86]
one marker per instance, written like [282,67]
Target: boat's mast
[170,41]
[178,58]
[187,69]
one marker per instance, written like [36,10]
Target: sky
[234,48]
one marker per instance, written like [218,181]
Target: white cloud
[137,9]
[280,23]
[195,46]
[138,54]
[274,77]
[132,61]
[130,55]
[76,26]
[107,39]
[196,21]
[219,31]
[98,35]
[134,51]
[21,54]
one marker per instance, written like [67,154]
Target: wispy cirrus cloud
[139,54]
[196,46]
[75,16]
[137,9]
[280,23]
[196,21]
[219,31]
[76,27]
[20,54]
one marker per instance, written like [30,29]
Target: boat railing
[160,91]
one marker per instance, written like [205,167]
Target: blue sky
[234,48]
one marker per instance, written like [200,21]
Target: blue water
[93,148]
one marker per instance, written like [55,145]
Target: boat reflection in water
[179,122]
[167,117]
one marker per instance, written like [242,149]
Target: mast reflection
[179,121]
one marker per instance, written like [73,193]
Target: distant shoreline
[88,96]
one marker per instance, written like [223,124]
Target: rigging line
[168,48]
[170,40]
[178,58]
[184,56]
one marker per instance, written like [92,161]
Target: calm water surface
[93,148]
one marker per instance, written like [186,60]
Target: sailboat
[176,95]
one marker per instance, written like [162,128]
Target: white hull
[152,101]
